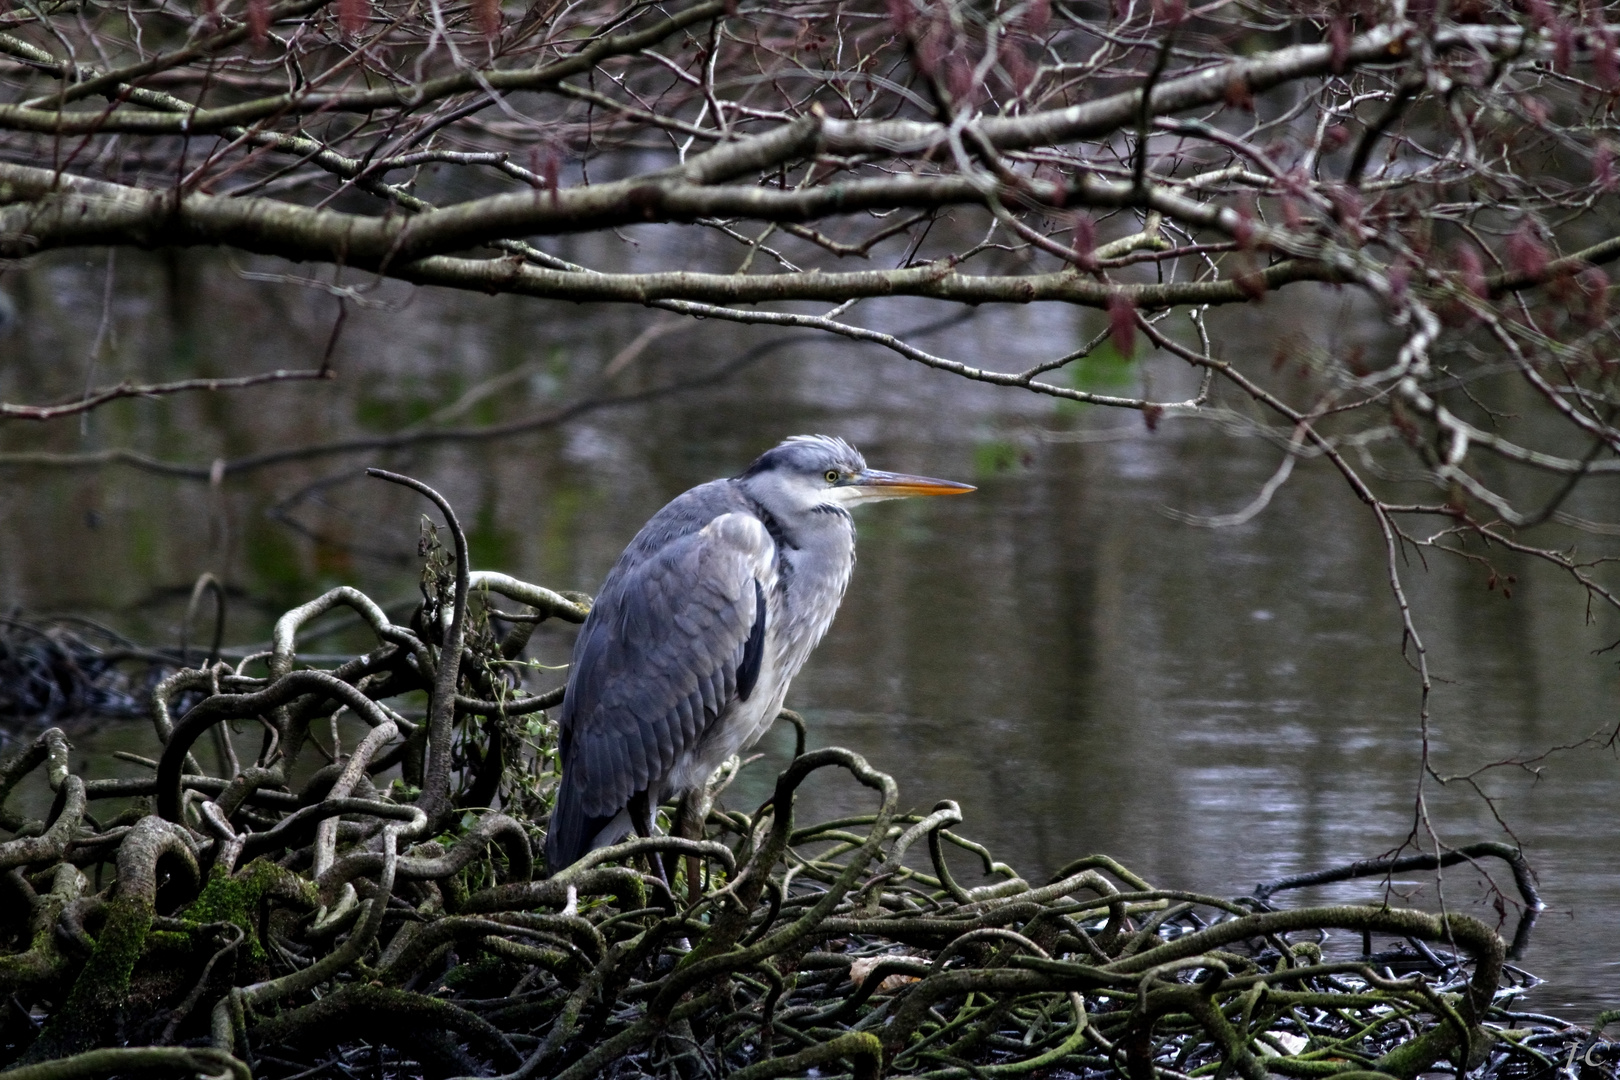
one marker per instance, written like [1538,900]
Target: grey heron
[693,638]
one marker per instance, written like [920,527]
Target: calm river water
[1079,669]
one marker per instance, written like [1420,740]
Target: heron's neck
[813,570]
[780,535]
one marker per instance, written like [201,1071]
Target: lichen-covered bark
[93,1013]
[237,898]
[428,1028]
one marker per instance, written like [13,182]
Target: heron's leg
[641,818]
[689,821]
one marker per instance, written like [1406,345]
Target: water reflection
[1081,672]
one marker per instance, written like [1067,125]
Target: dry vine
[290,923]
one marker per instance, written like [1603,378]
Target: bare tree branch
[101,395]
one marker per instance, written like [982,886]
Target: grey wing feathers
[754,650]
[661,656]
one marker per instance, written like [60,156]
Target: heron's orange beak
[878,484]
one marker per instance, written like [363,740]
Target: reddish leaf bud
[1253,283]
[1122,324]
[1292,217]
[352,15]
[1339,42]
[1238,94]
[1604,64]
[1037,16]
[1594,285]
[487,13]
[901,15]
[1017,66]
[1346,206]
[1471,271]
[1400,276]
[1541,13]
[1334,138]
[1526,253]
[1169,12]
[545,161]
[1058,191]
[1563,35]
[1603,166]
[258,18]
[1085,242]
[931,51]
[1243,228]
[959,78]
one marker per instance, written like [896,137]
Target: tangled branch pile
[284,922]
[60,669]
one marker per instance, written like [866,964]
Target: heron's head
[810,472]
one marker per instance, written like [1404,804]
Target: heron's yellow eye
[832,476]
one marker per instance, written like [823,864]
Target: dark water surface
[1077,668]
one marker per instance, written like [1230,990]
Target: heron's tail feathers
[565,836]
[572,832]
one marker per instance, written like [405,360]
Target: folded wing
[672,640]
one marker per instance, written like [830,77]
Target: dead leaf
[860,969]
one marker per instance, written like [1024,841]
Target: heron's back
[654,662]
